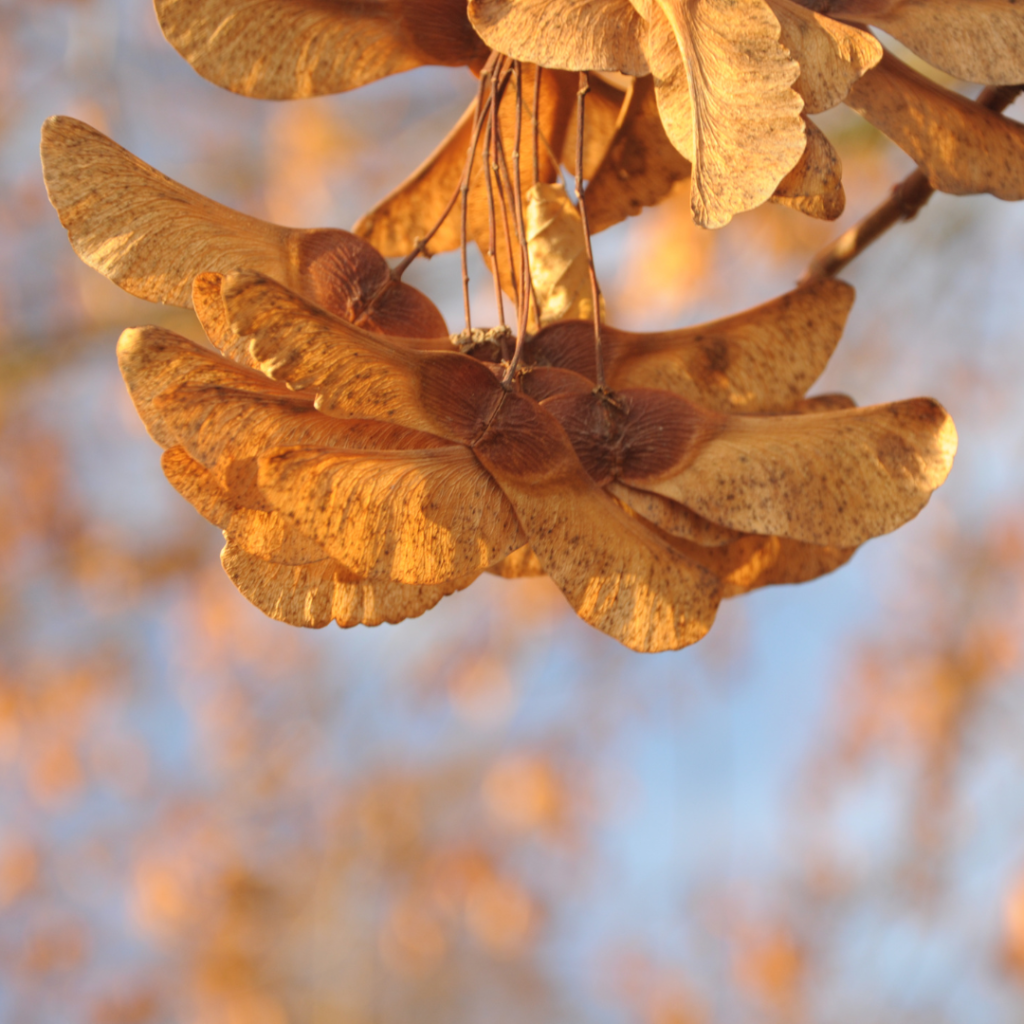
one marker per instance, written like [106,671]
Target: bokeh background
[493,813]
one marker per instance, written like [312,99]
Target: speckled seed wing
[963,148]
[288,49]
[415,516]
[576,35]
[267,535]
[616,573]
[746,125]
[523,562]
[671,517]
[758,361]
[641,165]
[224,413]
[833,478]
[976,40]
[152,236]
[353,372]
[832,56]
[752,562]
[815,185]
[314,595]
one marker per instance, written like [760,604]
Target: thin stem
[501,166]
[595,291]
[492,228]
[482,105]
[523,311]
[536,124]
[906,201]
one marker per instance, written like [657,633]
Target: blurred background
[493,813]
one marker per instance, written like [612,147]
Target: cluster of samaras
[363,463]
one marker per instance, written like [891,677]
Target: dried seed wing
[671,517]
[962,147]
[213,317]
[416,517]
[976,40]
[520,563]
[831,55]
[747,130]
[761,360]
[152,236]
[576,35]
[314,595]
[641,166]
[558,254]
[815,185]
[616,573]
[752,562]
[281,51]
[220,411]
[823,478]
[267,535]
[357,374]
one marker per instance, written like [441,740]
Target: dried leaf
[414,516]
[577,35]
[313,595]
[976,40]
[815,185]
[641,165]
[152,236]
[274,50]
[831,55]
[761,360]
[558,254]
[823,478]
[963,148]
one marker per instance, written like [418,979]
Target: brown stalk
[906,201]
[595,291]
[523,311]
[536,125]
[492,228]
[482,105]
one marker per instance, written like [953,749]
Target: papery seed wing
[962,147]
[746,125]
[152,236]
[267,535]
[641,165]
[976,40]
[761,360]
[831,55]
[834,478]
[671,517]
[815,185]
[558,254]
[314,595]
[357,374]
[577,35]
[521,563]
[415,517]
[616,573]
[220,411]
[274,50]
